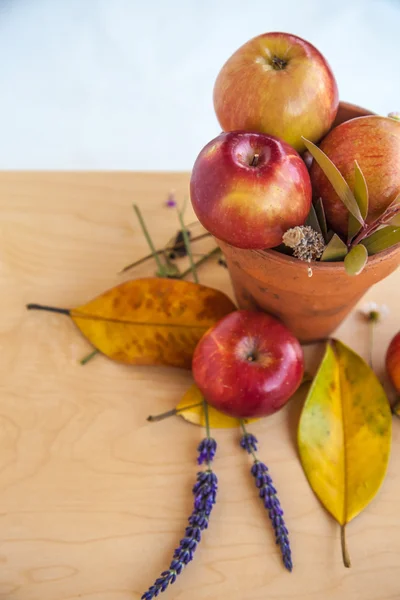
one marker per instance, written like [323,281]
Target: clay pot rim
[326,266]
[285,259]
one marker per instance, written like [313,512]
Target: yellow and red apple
[279,84]
[248,364]
[248,188]
[374,142]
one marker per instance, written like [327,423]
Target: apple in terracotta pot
[248,364]
[372,141]
[248,188]
[277,83]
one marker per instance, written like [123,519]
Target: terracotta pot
[347,111]
[312,307]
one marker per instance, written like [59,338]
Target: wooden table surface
[93,498]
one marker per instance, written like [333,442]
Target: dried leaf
[151,321]
[335,250]
[361,196]
[344,433]
[195,414]
[336,179]
[176,245]
[312,220]
[382,239]
[320,212]
[355,260]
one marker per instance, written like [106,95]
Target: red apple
[393,362]
[248,364]
[278,84]
[375,143]
[247,189]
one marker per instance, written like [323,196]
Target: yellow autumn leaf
[150,321]
[193,399]
[344,434]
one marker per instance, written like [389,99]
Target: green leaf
[335,250]
[356,260]
[361,196]
[382,239]
[320,212]
[336,179]
[312,220]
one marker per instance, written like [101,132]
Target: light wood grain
[93,499]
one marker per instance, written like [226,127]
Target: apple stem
[345,552]
[278,63]
[171,413]
[254,160]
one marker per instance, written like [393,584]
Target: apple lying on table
[248,188]
[393,362]
[374,142]
[248,364]
[277,83]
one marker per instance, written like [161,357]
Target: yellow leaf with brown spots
[151,321]
[191,409]
[344,434]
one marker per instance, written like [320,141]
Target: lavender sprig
[205,492]
[206,449]
[268,494]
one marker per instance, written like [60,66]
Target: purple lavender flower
[249,442]
[204,491]
[268,494]
[170,201]
[206,450]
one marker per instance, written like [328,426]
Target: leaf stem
[171,413]
[245,432]
[187,245]
[345,552]
[371,343]
[61,311]
[202,260]
[154,253]
[88,357]
[391,211]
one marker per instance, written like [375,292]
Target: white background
[127,84]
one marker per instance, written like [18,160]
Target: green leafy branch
[363,240]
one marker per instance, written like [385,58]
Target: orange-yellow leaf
[151,321]
[195,414]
